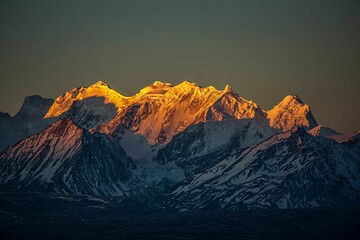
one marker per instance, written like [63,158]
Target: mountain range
[178,148]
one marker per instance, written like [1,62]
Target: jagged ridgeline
[178,147]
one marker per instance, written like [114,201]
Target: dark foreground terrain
[36,216]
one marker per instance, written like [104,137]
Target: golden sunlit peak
[228,88]
[159,83]
[292,98]
[188,83]
[101,83]
[157,87]
[99,89]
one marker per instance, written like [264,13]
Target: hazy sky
[264,49]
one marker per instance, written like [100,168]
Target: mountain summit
[34,107]
[290,112]
[65,158]
[87,106]
[29,120]
[98,90]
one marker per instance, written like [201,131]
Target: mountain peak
[292,99]
[99,90]
[323,131]
[34,106]
[228,89]
[291,112]
[157,87]
[188,83]
[160,83]
[56,140]
[33,98]
[186,87]
[101,84]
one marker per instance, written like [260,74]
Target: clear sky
[264,50]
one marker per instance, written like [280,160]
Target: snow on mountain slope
[88,106]
[323,131]
[159,118]
[34,107]
[181,106]
[29,120]
[346,137]
[291,112]
[90,112]
[230,105]
[207,148]
[330,133]
[289,170]
[99,89]
[65,158]
[137,147]
[161,111]
[203,145]
[152,92]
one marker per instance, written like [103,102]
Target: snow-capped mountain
[160,115]
[65,158]
[187,146]
[160,111]
[289,170]
[34,107]
[87,106]
[29,120]
[291,112]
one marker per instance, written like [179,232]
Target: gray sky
[264,49]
